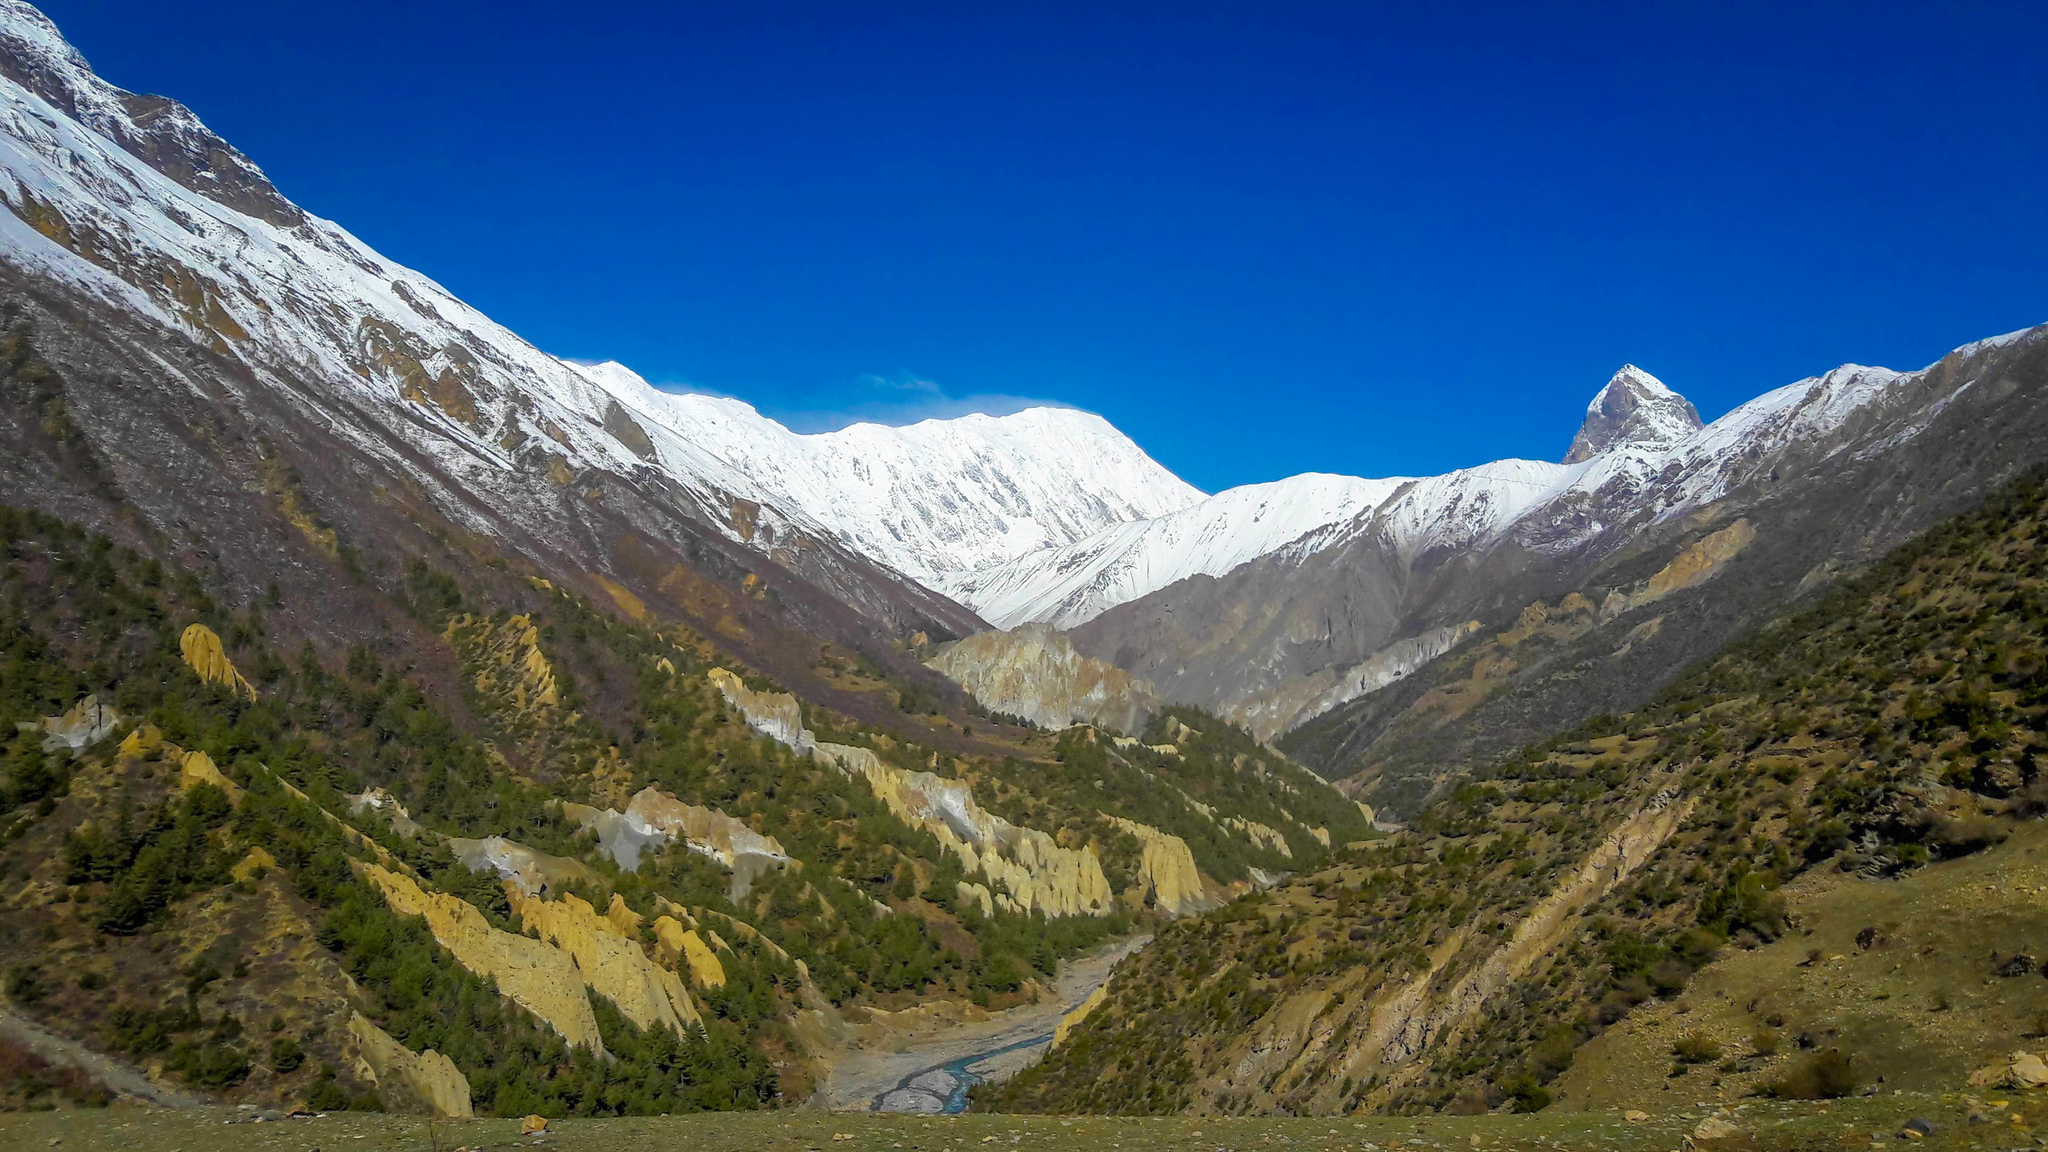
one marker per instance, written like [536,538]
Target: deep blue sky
[1261,238]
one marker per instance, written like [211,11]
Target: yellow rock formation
[614,965]
[1033,671]
[510,665]
[535,975]
[1702,560]
[197,768]
[144,741]
[1035,872]
[255,864]
[203,653]
[427,1082]
[1080,1012]
[1166,871]
[705,969]
[1261,834]
[967,890]
[625,921]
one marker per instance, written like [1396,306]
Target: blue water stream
[956,1100]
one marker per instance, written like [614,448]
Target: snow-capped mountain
[1634,408]
[1066,585]
[130,200]
[933,500]
[1635,429]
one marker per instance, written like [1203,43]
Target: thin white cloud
[903,399]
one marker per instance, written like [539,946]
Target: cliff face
[654,818]
[1166,872]
[531,973]
[1033,671]
[1036,873]
[611,963]
[410,1082]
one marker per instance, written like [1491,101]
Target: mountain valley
[398,717]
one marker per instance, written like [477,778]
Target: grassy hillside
[1465,963]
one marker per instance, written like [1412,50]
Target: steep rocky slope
[1343,631]
[1032,672]
[1622,615]
[1580,886]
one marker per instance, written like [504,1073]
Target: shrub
[1826,1075]
[1696,1048]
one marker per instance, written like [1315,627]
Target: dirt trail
[855,1077]
[122,1078]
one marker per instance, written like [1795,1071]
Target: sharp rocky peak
[1634,409]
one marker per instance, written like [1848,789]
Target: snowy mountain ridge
[933,500]
[1045,515]
[1650,457]
[131,200]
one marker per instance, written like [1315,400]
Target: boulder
[79,727]
[1715,1128]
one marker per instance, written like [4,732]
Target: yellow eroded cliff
[1166,870]
[535,975]
[614,966]
[1034,871]
[408,1082]
[204,655]
[506,659]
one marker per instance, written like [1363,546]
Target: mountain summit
[1634,408]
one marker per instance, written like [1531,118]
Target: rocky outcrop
[1033,671]
[1167,875]
[1034,871]
[680,944]
[504,658]
[1635,409]
[533,873]
[76,728]
[533,974]
[1263,835]
[614,966]
[968,892]
[1080,1012]
[653,819]
[1700,561]
[378,800]
[1268,714]
[203,653]
[196,768]
[425,1082]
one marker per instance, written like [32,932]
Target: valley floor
[857,1077]
[1845,1124]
